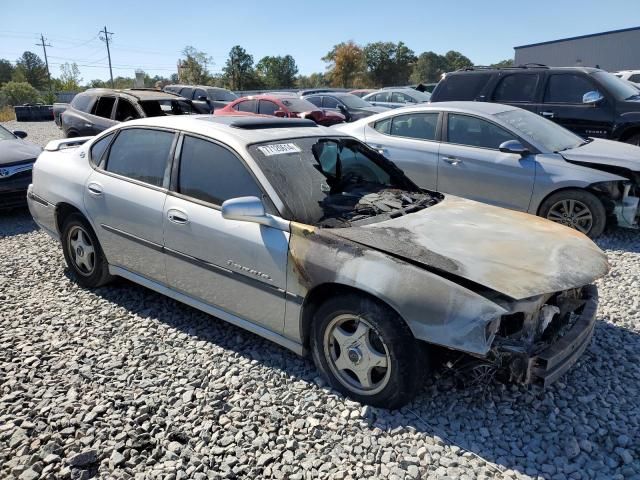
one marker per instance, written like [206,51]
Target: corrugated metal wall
[613,51]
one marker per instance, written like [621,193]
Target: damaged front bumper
[626,210]
[542,364]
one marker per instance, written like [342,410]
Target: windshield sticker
[279,149]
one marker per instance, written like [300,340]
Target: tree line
[349,65]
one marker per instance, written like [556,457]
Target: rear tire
[83,253]
[577,209]
[367,352]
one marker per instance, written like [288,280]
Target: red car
[282,106]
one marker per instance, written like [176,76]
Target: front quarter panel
[436,310]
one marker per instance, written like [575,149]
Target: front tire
[577,209]
[83,253]
[367,352]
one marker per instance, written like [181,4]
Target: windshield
[540,131]
[617,87]
[6,134]
[221,95]
[353,101]
[337,182]
[298,104]
[159,108]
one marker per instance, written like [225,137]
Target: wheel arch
[602,195]
[63,210]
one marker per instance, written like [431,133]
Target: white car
[632,76]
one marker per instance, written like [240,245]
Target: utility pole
[46,60]
[104,36]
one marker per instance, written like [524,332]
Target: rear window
[460,87]
[83,102]
[518,87]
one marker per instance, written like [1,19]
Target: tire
[89,267]
[375,332]
[577,209]
[633,139]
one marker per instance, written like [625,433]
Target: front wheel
[366,351]
[577,209]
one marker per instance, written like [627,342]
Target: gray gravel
[39,132]
[121,382]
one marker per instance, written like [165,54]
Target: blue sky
[151,34]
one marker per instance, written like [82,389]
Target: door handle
[548,114]
[452,160]
[177,216]
[95,189]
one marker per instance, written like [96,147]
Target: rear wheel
[577,209]
[366,351]
[83,253]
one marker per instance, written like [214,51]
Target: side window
[317,101]
[83,102]
[186,92]
[266,107]
[383,126]
[212,173]
[399,97]
[463,86]
[519,87]
[382,97]
[421,126]
[125,111]
[635,78]
[199,93]
[104,107]
[329,102]
[141,154]
[567,88]
[247,106]
[475,132]
[98,149]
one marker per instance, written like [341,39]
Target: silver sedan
[512,158]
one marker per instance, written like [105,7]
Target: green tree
[388,63]
[123,82]
[32,69]
[277,72]
[456,60]
[18,93]
[70,78]
[97,83]
[314,80]
[194,67]
[238,70]
[347,65]
[503,64]
[6,71]
[428,68]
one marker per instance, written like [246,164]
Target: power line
[46,60]
[104,36]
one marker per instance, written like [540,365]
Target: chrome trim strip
[147,243]
[37,199]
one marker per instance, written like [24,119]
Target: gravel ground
[39,132]
[121,382]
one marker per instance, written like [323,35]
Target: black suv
[588,101]
[97,109]
[205,99]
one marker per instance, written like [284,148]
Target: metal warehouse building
[614,50]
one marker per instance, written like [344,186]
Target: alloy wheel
[572,213]
[81,250]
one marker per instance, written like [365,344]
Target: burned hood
[605,152]
[13,151]
[514,253]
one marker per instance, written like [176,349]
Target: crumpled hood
[514,253]
[12,151]
[606,152]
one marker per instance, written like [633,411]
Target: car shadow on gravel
[575,425]
[17,221]
[620,239]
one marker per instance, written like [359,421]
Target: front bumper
[13,190]
[547,364]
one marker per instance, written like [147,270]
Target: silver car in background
[512,158]
[397,97]
[316,241]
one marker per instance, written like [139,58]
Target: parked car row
[310,238]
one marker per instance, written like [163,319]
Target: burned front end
[541,338]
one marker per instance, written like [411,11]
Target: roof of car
[139,93]
[482,108]
[239,131]
[478,69]
[180,85]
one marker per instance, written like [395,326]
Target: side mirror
[280,113]
[515,147]
[592,98]
[251,209]
[20,133]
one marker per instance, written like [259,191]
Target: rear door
[99,119]
[519,89]
[237,266]
[563,104]
[125,196]
[411,142]
[471,165]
